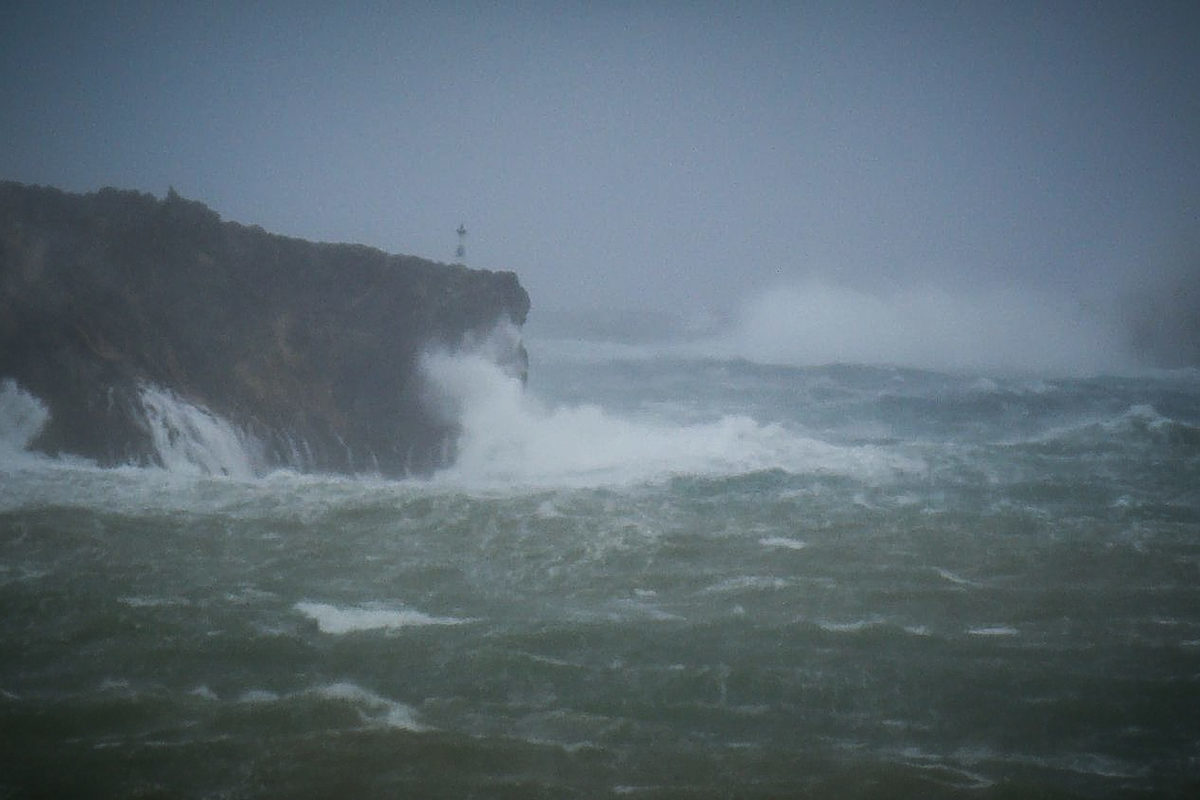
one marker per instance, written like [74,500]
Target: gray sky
[680,156]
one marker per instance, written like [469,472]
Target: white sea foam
[993,630]
[151,602]
[642,608]
[853,626]
[952,578]
[782,542]
[743,583]
[348,619]
[510,437]
[192,440]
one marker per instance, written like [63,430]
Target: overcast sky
[680,156]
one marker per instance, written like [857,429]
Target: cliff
[112,301]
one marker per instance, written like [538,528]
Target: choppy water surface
[647,578]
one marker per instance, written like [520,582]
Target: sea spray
[191,439]
[510,436]
[933,328]
[22,416]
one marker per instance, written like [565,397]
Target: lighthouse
[460,252]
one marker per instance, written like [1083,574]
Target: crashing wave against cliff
[144,326]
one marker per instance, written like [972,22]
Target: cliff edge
[139,322]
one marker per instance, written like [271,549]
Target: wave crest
[509,436]
[22,417]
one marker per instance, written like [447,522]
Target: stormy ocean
[648,576]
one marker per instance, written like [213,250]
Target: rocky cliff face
[115,305]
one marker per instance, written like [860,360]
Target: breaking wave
[191,439]
[21,417]
[1137,425]
[188,439]
[509,436]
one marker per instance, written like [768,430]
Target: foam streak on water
[337,620]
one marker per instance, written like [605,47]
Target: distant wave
[373,709]
[1141,422]
[813,323]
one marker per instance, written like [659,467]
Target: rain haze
[940,184]
[849,445]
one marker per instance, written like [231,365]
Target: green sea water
[646,577]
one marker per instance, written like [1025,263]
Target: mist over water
[859,493]
[814,323]
[923,326]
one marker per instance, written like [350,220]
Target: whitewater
[661,574]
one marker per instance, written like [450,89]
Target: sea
[651,573]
